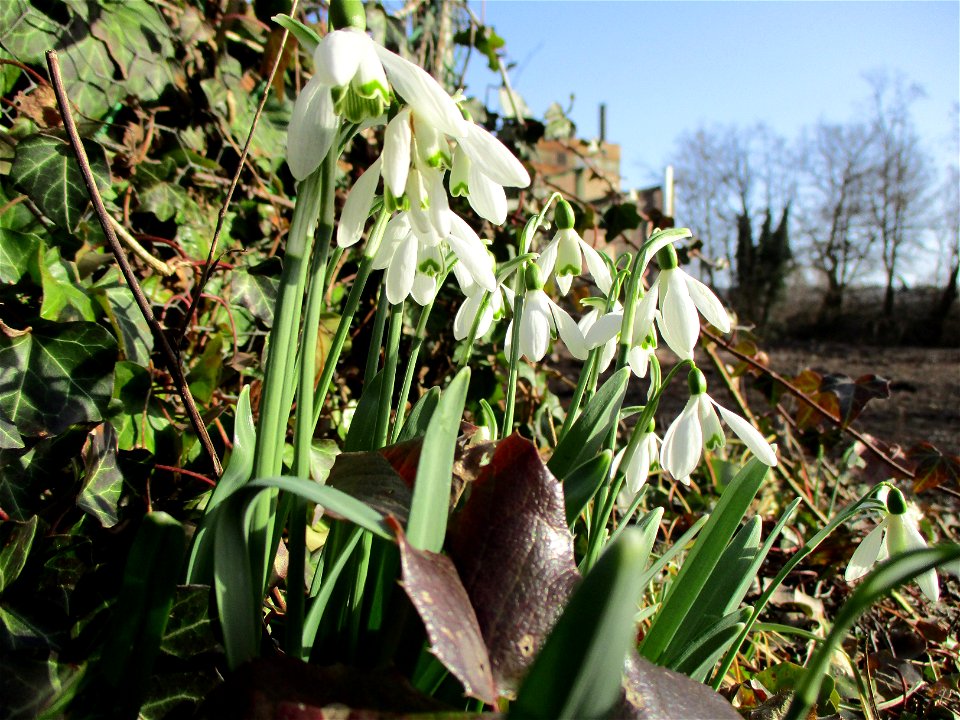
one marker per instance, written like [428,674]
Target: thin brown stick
[222,216]
[803,397]
[172,361]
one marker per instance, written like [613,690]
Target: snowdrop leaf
[305,35]
[702,559]
[585,437]
[582,484]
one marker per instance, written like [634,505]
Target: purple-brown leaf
[433,586]
[369,477]
[514,552]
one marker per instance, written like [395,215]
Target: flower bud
[667,258]
[347,14]
[696,382]
[896,505]
[531,278]
[563,215]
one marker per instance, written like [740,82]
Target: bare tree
[900,178]
[725,176]
[835,208]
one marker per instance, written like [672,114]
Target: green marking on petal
[429,267]
[569,270]
[460,189]
[715,441]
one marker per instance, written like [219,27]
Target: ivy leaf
[433,586]
[45,169]
[255,292]
[16,548]
[933,467]
[56,375]
[502,556]
[64,299]
[103,481]
[853,395]
[129,325]
[135,413]
[16,249]
[189,630]
[621,218]
[9,435]
[138,41]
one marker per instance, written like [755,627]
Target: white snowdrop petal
[750,436]
[707,303]
[639,360]
[493,158]
[604,329]
[535,326]
[679,315]
[713,436]
[568,331]
[424,288]
[866,554]
[683,443]
[313,126]
[396,152]
[356,209]
[548,258]
[903,535]
[486,197]
[597,267]
[466,313]
[470,250]
[402,271]
[338,56]
[424,94]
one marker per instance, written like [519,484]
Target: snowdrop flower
[681,296]
[414,259]
[542,317]
[353,78]
[896,533]
[638,466]
[482,167]
[607,332]
[471,305]
[698,426]
[566,252]
[644,340]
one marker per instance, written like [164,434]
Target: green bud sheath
[667,258]
[696,382]
[896,505]
[347,14]
[531,278]
[564,215]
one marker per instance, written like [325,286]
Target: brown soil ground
[924,404]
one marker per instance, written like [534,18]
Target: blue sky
[666,67]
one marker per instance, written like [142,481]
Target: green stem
[507,428]
[415,346]
[379,323]
[349,310]
[573,410]
[276,398]
[634,287]
[303,431]
[389,374]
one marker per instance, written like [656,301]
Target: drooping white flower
[413,259]
[540,319]
[468,310]
[482,168]
[644,340]
[564,254]
[681,296]
[352,78]
[698,426]
[638,466]
[896,533]
[605,334]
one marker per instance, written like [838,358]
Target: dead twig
[107,223]
[806,399]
